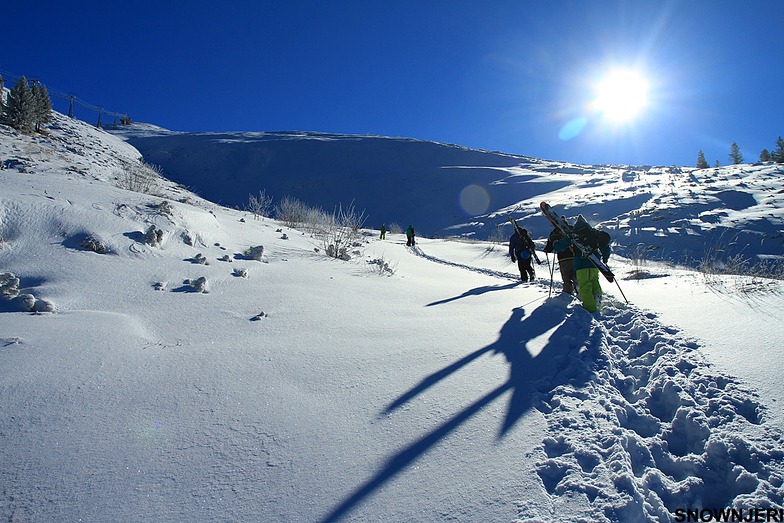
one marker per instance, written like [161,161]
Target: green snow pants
[589,288]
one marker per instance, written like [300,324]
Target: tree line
[26,108]
[736,157]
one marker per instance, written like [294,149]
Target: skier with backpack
[522,250]
[596,243]
[410,236]
[565,260]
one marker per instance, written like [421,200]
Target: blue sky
[512,76]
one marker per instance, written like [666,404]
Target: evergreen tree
[21,107]
[701,163]
[764,156]
[778,154]
[716,165]
[2,98]
[735,156]
[43,106]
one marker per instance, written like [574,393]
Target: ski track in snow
[489,272]
[641,425]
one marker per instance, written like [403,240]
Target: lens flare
[572,128]
[474,200]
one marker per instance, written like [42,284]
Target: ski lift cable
[66,96]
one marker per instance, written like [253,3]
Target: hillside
[156,364]
[665,213]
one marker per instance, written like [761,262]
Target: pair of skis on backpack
[569,232]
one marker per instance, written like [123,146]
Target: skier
[410,236]
[590,291]
[383,230]
[565,260]
[521,250]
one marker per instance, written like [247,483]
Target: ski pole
[619,288]
[552,268]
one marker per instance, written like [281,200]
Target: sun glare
[621,95]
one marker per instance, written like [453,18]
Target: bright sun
[621,95]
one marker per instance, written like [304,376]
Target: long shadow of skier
[476,292]
[529,377]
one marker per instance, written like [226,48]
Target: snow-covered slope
[422,384]
[665,213]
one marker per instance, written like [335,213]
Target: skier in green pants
[589,289]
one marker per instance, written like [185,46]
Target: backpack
[591,238]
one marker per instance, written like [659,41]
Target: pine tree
[701,163]
[764,156]
[735,156]
[778,154]
[43,106]
[21,107]
[2,99]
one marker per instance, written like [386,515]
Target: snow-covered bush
[9,294]
[191,239]
[337,252]
[92,242]
[43,306]
[254,253]
[200,259]
[240,272]
[381,267]
[153,237]
[27,302]
[163,208]
[198,285]
[9,286]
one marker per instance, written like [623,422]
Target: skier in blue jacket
[589,288]
[521,250]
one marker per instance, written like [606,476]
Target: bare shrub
[341,231]
[381,267]
[291,211]
[259,207]
[141,177]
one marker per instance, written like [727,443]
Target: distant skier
[590,291]
[565,260]
[522,250]
[410,237]
[383,231]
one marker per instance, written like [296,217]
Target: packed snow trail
[640,426]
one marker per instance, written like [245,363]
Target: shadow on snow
[530,377]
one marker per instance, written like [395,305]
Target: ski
[568,230]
